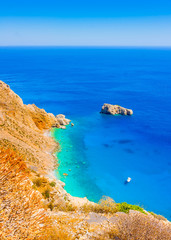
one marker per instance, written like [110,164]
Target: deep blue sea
[101,151]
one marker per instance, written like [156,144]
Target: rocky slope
[23,126]
[34,204]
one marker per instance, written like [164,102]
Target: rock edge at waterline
[115,109]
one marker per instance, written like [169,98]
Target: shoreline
[75,201]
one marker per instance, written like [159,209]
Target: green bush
[52,184]
[46,193]
[108,205]
[39,181]
[125,207]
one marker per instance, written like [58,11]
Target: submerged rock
[65,174]
[115,109]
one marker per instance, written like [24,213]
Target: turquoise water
[101,151]
[98,162]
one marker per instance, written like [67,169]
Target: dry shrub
[39,181]
[42,185]
[159,217]
[54,234]
[105,205]
[65,207]
[69,227]
[138,226]
[21,212]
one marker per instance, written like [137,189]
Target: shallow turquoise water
[73,161]
[102,151]
[98,162]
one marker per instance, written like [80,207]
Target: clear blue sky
[85,22]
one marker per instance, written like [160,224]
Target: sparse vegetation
[46,193]
[52,184]
[105,205]
[43,186]
[159,217]
[51,205]
[136,225]
[18,200]
[37,182]
[125,207]
[108,205]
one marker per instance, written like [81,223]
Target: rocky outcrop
[115,109]
[11,105]
[61,121]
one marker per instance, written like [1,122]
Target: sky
[85,23]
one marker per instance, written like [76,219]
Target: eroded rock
[115,109]
[61,121]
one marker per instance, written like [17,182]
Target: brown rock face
[22,127]
[115,109]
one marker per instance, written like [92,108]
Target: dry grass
[19,202]
[21,212]
[138,226]
[54,234]
[66,207]
[159,217]
[106,205]
[43,186]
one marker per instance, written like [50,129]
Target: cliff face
[23,126]
[36,207]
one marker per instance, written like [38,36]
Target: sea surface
[101,151]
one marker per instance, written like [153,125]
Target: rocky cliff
[23,127]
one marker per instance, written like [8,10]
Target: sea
[101,151]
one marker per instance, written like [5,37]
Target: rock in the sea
[62,120]
[62,127]
[115,109]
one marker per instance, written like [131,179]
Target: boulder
[61,120]
[115,109]
[60,116]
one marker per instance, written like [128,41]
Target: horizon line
[91,46]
